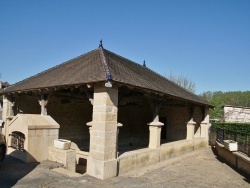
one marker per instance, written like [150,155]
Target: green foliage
[237,127]
[220,99]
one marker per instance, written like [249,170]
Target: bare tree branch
[183,81]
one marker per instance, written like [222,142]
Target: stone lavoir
[117,114]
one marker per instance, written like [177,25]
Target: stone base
[190,129]
[102,169]
[155,134]
[65,157]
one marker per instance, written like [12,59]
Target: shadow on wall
[12,170]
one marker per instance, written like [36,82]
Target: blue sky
[209,41]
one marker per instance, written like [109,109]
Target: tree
[220,99]
[183,81]
[208,95]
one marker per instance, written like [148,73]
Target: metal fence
[243,139]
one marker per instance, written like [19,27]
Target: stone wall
[236,114]
[28,104]
[72,117]
[135,119]
[143,157]
[135,131]
[177,118]
[237,160]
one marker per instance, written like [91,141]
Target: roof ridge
[105,65]
[59,65]
[126,59]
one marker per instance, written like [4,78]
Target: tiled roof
[100,65]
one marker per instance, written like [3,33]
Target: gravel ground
[199,168]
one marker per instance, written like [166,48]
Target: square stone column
[190,129]
[155,134]
[102,162]
[204,127]
[6,113]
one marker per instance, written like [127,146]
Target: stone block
[104,108]
[97,100]
[65,157]
[93,146]
[96,155]
[104,126]
[71,160]
[108,116]
[102,169]
[243,163]
[110,155]
[127,163]
[96,117]
[94,132]
[107,134]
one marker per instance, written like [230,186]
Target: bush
[237,127]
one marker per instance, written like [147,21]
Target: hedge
[237,127]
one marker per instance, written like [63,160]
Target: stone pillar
[190,129]
[204,129]
[5,112]
[102,162]
[204,125]
[119,125]
[155,134]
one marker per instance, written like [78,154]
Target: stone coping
[242,156]
[10,117]
[156,124]
[82,152]
[173,143]
[36,127]
[134,152]
[219,144]
[236,153]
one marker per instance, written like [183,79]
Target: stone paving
[199,168]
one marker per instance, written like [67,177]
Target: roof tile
[92,67]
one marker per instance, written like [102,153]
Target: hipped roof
[101,65]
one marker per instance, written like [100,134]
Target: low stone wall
[142,157]
[65,157]
[235,159]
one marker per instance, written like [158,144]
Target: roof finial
[144,64]
[100,45]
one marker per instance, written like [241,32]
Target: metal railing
[243,139]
